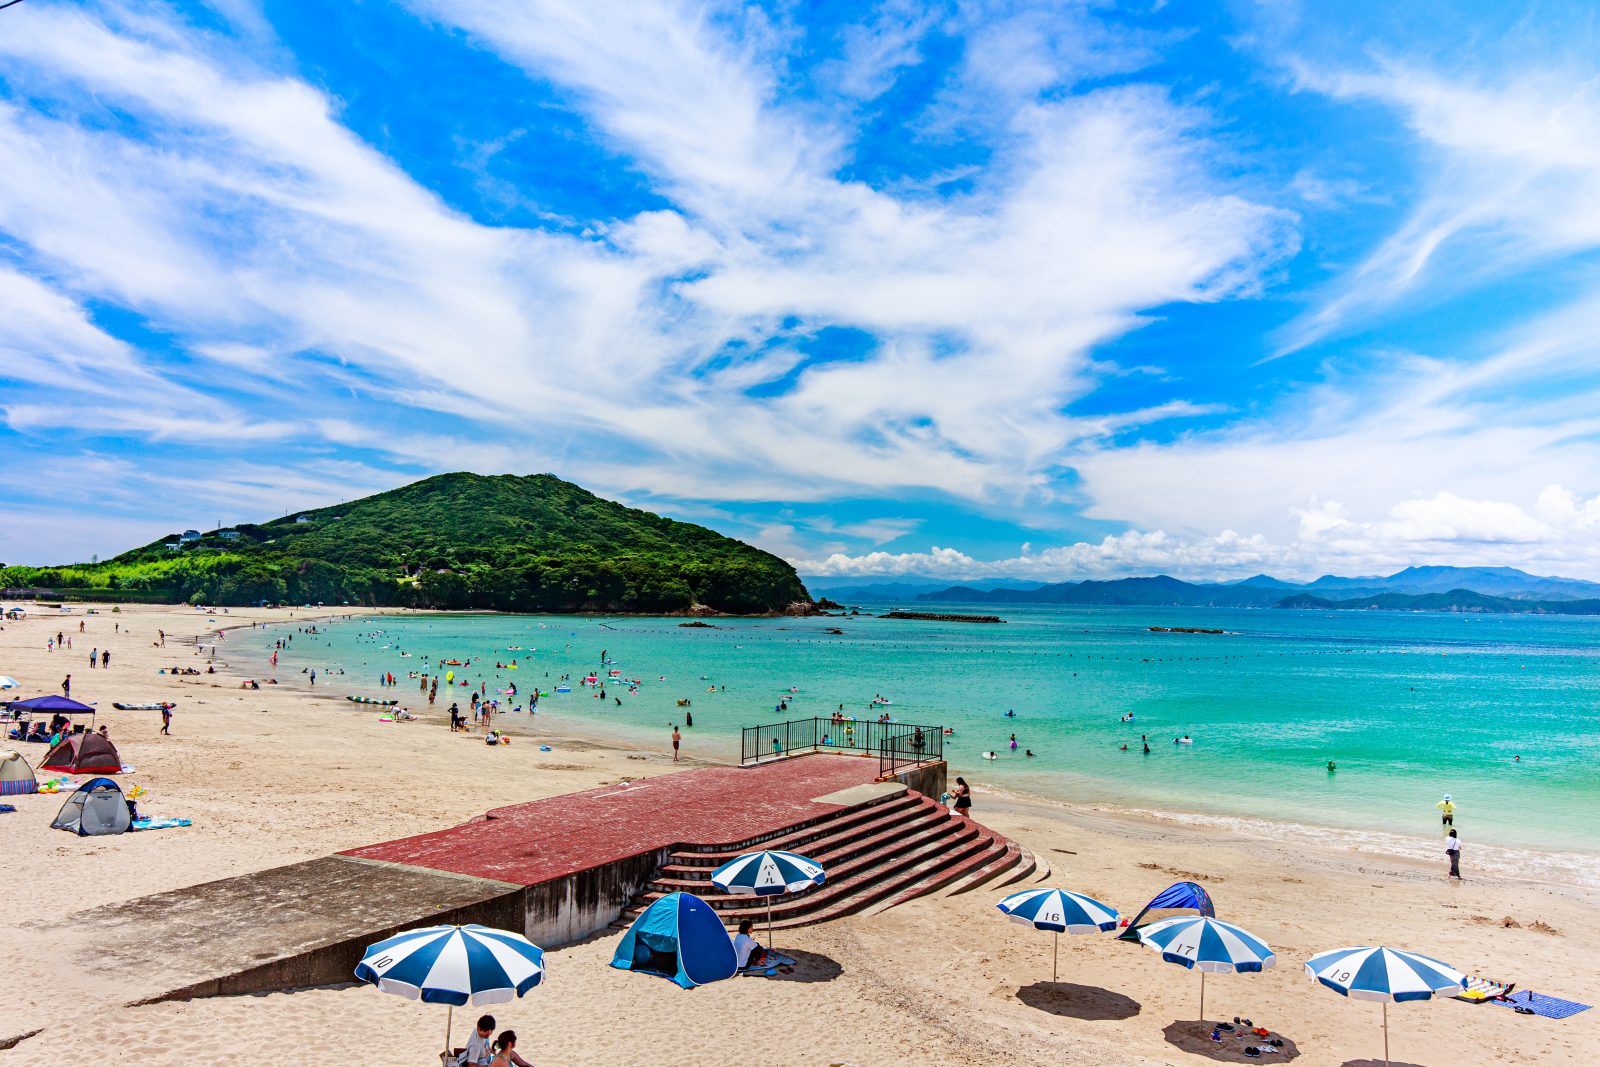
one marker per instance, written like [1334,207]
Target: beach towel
[4,808]
[148,823]
[769,967]
[1481,989]
[1543,1006]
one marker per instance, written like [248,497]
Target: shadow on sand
[808,967]
[1078,1001]
[1195,1037]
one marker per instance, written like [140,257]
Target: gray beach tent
[96,809]
[16,777]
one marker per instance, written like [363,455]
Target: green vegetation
[506,543]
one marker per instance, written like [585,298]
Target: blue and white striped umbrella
[1209,946]
[768,874]
[454,965]
[1059,912]
[1384,974]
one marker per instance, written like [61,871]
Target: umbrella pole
[449,1018]
[1202,996]
[1055,955]
[1386,1034]
[770,947]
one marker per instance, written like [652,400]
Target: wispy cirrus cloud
[229,209]
[909,256]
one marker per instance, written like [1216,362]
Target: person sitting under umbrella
[747,951]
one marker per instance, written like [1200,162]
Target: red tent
[83,754]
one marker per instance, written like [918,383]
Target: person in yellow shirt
[1448,807]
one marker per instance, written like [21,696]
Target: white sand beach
[279,775]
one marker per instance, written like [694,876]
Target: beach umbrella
[767,874]
[454,965]
[1060,912]
[7,682]
[1207,945]
[1384,974]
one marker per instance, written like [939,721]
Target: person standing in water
[1452,849]
[677,739]
[1448,808]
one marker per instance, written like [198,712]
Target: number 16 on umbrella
[1059,912]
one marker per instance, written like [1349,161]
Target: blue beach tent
[1176,899]
[678,937]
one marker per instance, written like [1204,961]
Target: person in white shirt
[1452,848]
[480,1051]
[747,951]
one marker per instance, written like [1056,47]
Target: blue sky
[965,290]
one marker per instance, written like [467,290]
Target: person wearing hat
[1448,807]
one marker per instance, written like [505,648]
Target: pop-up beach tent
[678,937]
[96,809]
[16,777]
[1179,898]
[83,753]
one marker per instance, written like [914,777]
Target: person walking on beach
[1448,808]
[166,718]
[66,687]
[963,794]
[677,739]
[105,660]
[1452,849]
[94,658]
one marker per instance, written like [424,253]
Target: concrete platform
[304,924]
[556,869]
[530,844]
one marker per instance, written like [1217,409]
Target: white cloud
[1557,534]
[234,212]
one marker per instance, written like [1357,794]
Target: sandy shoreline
[268,777]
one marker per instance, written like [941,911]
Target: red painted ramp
[527,844]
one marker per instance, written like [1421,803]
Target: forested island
[505,542]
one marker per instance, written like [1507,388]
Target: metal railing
[896,744]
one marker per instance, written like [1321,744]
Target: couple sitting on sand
[485,1050]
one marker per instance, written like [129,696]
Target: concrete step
[858,882]
[798,840]
[903,823]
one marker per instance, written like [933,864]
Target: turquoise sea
[1409,706]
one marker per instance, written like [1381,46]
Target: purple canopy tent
[47,704]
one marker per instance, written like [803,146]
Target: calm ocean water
[1410,706]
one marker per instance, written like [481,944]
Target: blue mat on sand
[7,807]
[768,967]
[1541,1005]
[157,824]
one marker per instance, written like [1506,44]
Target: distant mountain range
[857,589]
[1479,589]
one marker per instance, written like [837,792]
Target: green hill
[505,542]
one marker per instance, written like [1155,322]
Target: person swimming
[1011,713]
[1028,752]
